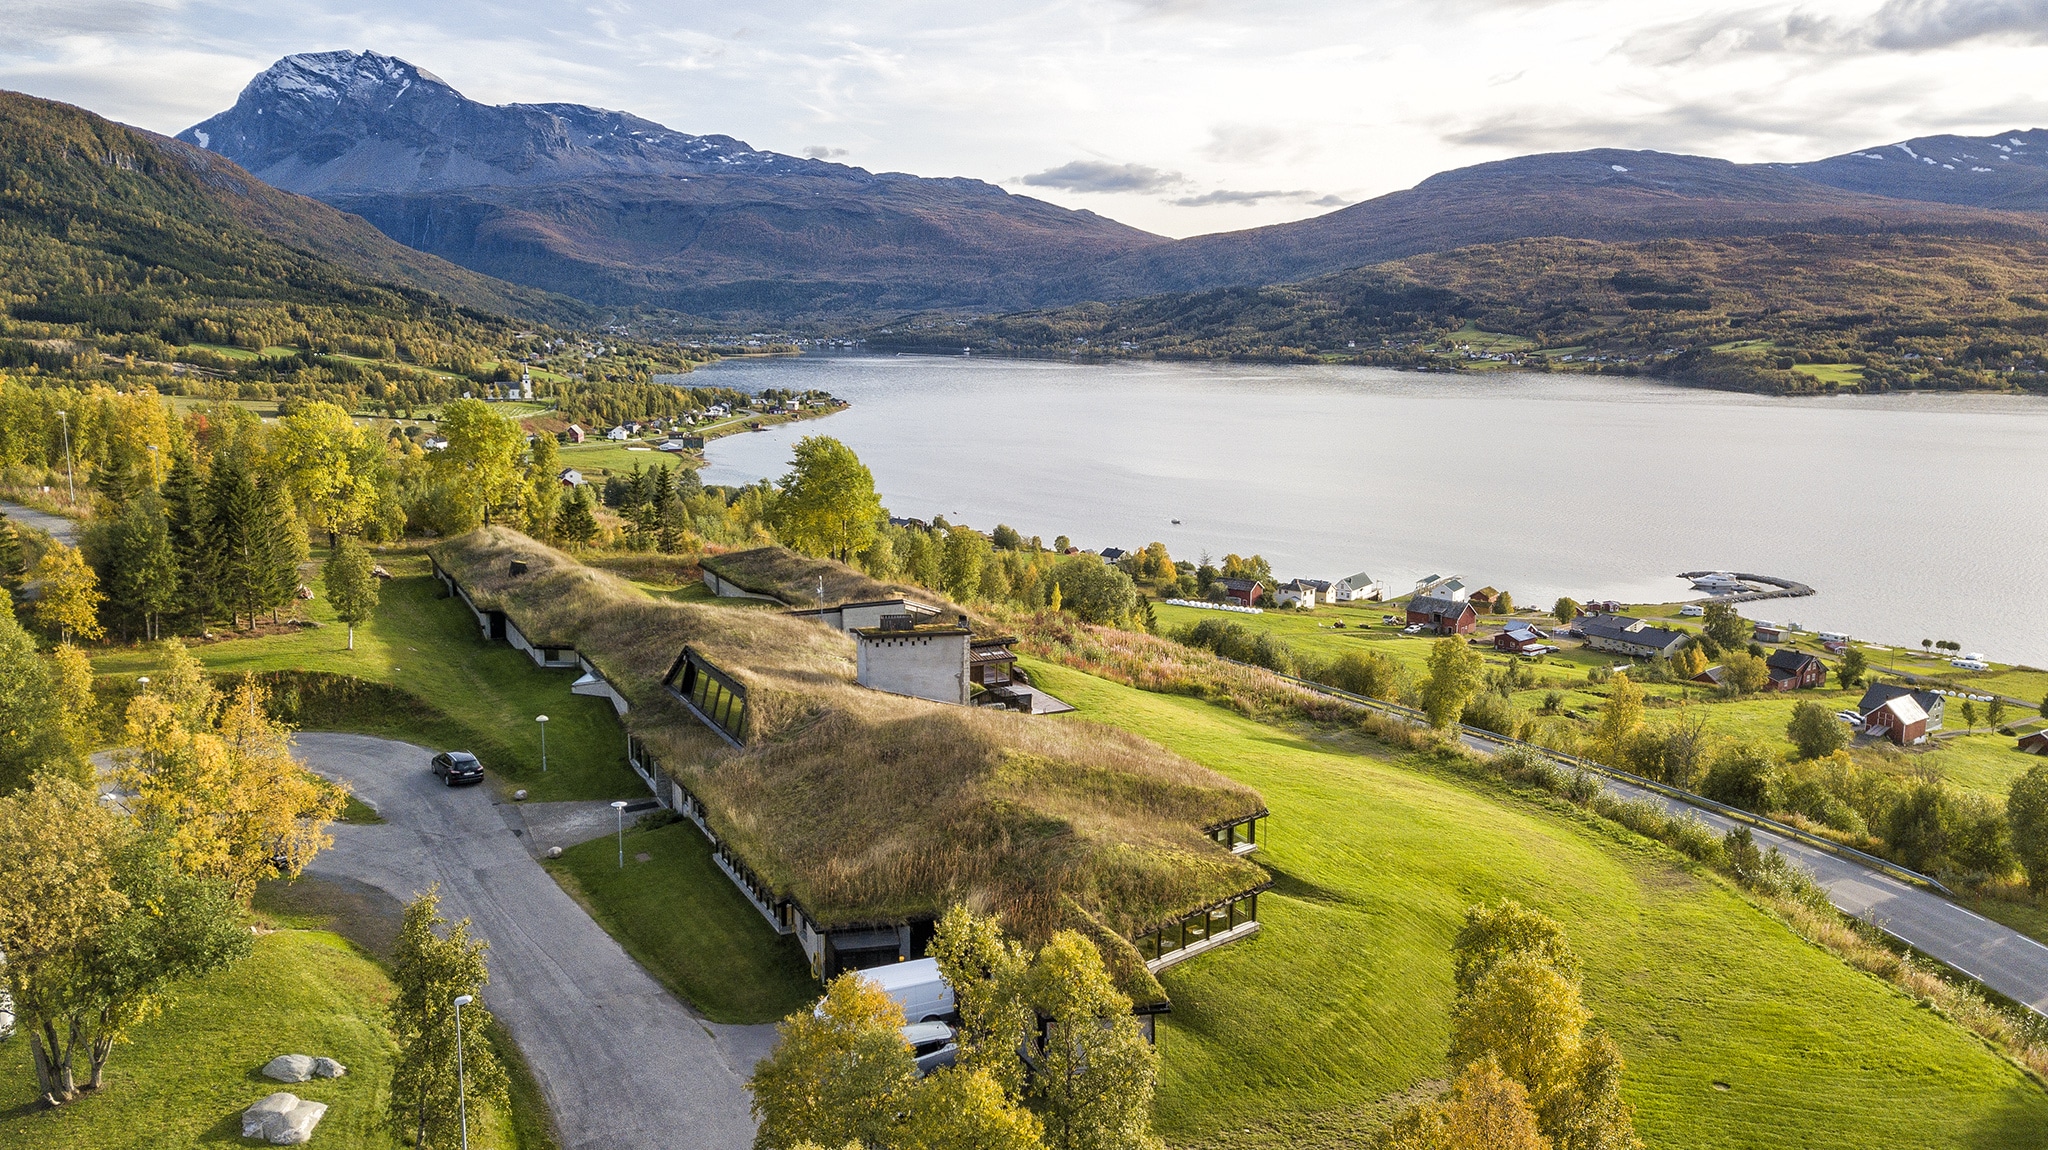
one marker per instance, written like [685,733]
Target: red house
[1519,639]
[1796,670]
[1243,592]
[1443,614]
[1900,719]
[2035,744]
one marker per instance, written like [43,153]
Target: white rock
[295,1126]
[257,1119]
[328,1068]
[289,1068]
[554,852]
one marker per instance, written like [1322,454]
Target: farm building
[1519,638]
[1796,671]
[1636,637]
[571,477]
[1441,612]
[1297,593]
[1359,588]
[2035,744]
[1243,592]
[811,790]
[1899,719]
[1484,599]
[573,434]
[618,434]
[1769,633]
[1881,693]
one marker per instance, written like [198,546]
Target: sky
[1177,116]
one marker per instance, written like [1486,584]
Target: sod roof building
[852,818]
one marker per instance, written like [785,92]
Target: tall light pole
[543,721]
[461,1086]
[619,805]
[69,484]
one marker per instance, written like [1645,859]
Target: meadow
[1737,1032]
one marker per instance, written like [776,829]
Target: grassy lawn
[483,695]
[1846,374]
[681,918]
[189,1074]
[1299,1035]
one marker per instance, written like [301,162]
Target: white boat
[1718,581]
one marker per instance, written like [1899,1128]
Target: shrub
[1815,731]
[1491,711]
[1367,673]
[1742,776]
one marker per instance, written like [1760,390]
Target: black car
[458,767]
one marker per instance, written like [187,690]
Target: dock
[1783,588]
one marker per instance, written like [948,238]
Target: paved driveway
[56,527]
[624,1065]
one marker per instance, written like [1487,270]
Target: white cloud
[1362,96]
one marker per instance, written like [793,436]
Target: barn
[1796,670]
[1899,719]
[1438,612]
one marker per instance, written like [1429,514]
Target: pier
[1781,588]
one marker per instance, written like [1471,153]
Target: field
[1982,761]
[480,695]
[189,1074]
[1737,1033]
[678,915]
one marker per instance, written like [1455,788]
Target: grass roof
[793,578]
[868,807]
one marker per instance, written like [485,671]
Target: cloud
[1102,176]
[821,152]
[1698,126]
[1230,196]
[1242,143]
[1897,26]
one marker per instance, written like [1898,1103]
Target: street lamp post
[619,805]
[69,484]
[543,721]
[461,1086]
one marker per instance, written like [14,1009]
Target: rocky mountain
[620,210]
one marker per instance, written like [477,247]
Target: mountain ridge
[621,211]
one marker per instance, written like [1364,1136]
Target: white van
[917,987]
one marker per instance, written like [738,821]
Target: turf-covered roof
[871,807]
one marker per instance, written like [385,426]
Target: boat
[1718,581]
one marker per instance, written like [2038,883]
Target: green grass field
[430,647]
[1983,762]
[188,1075]
[677,914]
[1298,1036]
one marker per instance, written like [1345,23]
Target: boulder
[289,1068]
[295,1126]
[257,1119]
[283,1119]
[328,1068]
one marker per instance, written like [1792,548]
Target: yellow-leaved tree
[71,596]
[227,797]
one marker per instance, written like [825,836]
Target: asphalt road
[55,526]
[624,1065]
[1997,956]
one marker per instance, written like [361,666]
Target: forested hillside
[1780,313]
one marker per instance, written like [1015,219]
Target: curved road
[55,526]
[623,1064]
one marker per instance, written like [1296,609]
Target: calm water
[1913,516]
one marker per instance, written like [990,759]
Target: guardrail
[1676,794]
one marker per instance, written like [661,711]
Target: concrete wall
[595,685]
[564,656]
[926,666]
[725,589]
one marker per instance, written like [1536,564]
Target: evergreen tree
[282,542]
[578,522]
[189,517]
[141,566]
[233,538]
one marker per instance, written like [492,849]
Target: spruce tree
[233,538]
[281,540]
[189,516]
[142,568]
[578,523]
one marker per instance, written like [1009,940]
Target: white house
[903,657]
[1359,588]
[618,433]
[571,477]
[1296,594]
